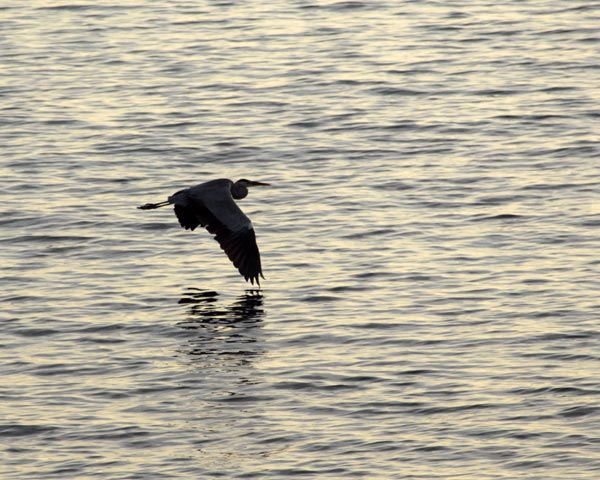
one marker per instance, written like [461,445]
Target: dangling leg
[150,206]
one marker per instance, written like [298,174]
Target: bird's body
[212,205]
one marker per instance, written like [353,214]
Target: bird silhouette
[212,206]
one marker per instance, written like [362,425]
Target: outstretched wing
[212,206]
[242,250]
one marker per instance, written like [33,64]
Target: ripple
[431,297]
[320,298]
[16,430]
[580,411]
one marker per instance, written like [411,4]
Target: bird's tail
[151,206]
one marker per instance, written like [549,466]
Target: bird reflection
[228,334]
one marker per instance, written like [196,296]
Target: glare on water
[429,242]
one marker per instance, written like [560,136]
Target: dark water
[430,242]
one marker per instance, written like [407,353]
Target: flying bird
[211,205]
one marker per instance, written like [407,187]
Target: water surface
[430,242]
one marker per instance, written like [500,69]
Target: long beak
[252,183]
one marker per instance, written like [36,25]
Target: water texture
[430,242]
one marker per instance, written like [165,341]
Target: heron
[212,206]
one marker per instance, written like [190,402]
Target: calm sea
[430,243]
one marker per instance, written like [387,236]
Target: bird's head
[240,188]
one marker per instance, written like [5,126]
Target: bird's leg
[150,206]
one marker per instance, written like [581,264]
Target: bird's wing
[215,209]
